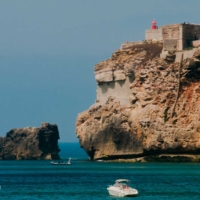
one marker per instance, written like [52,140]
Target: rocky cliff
[30,143]
[147,107]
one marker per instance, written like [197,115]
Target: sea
[85,179]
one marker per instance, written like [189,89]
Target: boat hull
[122,192]
[61,162]
[53,163]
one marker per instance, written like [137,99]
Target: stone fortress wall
[115,89]
[172,37]
[191,32]
[128,45]
[176,37]
[113,84]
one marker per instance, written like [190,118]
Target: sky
[48,49]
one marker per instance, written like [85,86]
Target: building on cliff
[175,37]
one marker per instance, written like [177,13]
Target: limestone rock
[30,143]
[119,75]
[161,119]
[104,77]
[197,54]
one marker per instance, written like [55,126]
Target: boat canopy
[122,180]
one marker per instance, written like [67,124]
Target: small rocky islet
[31,143]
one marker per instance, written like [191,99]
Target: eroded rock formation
[30,143]
[158,115]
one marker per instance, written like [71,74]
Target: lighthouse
[154,33]
[154,24]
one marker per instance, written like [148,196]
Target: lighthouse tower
[154,33]
[154,24]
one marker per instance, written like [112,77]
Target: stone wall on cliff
[30,143]
[161,116]
[118,89]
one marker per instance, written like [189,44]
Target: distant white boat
[69,161]
[61,162]
[121,188]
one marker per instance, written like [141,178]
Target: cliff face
[152,111]
[30,143]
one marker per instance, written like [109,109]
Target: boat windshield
[125,181]
[122,182]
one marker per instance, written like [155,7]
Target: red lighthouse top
[154,24]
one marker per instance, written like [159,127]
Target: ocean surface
[85,180]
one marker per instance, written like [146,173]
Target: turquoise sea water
[84,180]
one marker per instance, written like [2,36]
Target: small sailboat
[61,162]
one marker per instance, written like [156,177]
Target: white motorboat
[61,162]
[122,188]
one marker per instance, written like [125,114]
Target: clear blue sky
[48,49]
